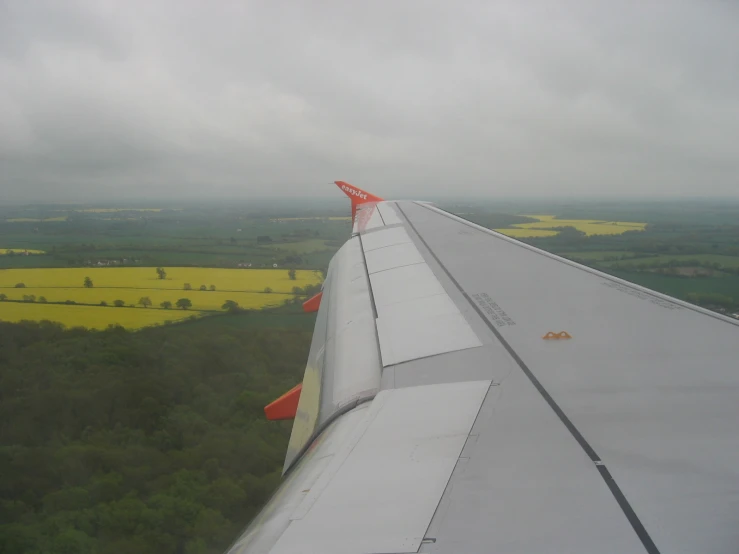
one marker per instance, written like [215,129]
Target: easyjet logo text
[354,192]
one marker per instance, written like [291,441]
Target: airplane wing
[467,393]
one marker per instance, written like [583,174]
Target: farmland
[119,247]
[210,254]
[36,220]
[546,223]
[253,280]
[116,210]
[91,317]
[303,246]
[11,251]
[687,249]
[517,233]
[137,297]
[666,260]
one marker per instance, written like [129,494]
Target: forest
[142,442]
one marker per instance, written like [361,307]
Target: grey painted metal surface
[344,360]
[524,486]
[621,439]
[422,327]
[384,237]
[651,383]
[393,256]
[415,316]
[404,283]
[489,361]
[264,531]
[382,488]
[389,215]
[367,218]
[374,220]
[352,362]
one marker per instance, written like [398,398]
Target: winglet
[286,406]
[311,305]
[356,195]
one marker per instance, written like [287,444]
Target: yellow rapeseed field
[244,286]
[92,317]
[201,300]
[588,226]
[4,251]
[527,233]
[247,280]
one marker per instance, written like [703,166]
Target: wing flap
[421,328]
[389,216]
[415,316]
[380,491]
[390,257]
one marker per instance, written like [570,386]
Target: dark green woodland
[149,442]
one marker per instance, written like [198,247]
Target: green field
[300,247]
[597,255]
[658,261]
[680,287]
[290,316]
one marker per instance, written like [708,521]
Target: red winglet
[286,406]
[311,305]
[356,195]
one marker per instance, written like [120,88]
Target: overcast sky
[134,99]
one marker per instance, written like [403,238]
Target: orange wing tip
[286,406]
[356,195]
[312,304]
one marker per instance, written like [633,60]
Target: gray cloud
[107,99]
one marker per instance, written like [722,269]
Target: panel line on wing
[616,491]
[415,317]
[381,489]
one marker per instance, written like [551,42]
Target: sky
[113,100]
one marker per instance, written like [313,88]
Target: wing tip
[356,195]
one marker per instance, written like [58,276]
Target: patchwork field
[527,233]
[35,220]
[598,255]
[201,300]
[92,317]
[547,223]
[140,291]
[10,251]
[299,247]
[248,280]
[116,210]
[723,261]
